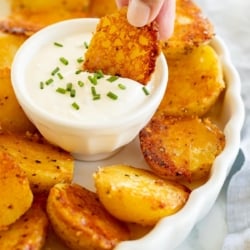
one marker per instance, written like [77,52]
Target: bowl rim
[18,68]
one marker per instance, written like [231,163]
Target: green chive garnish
[97,97]
[78,71]
[75,106]
[69,86]
[145,90]
[60,76]
[94,94]
[58,44]
[61,90]
[72,93]
[92,79]
[80,83]
[121,86]
[98,74]
[55,71]
[86,45]
[112,96]
[41,85]
[49,81]
[79,60]
[64,61]
[112,78]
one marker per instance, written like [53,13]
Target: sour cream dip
[56,81]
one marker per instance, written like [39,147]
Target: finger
[166,19]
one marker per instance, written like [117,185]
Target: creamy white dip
[47,65]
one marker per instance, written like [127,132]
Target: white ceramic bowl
[172,230]
[83,141]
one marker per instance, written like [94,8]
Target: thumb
[142,12]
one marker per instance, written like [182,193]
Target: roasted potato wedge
[27,17]
[118,48]
[81,221]
[191,30]
[9,44]
[195,83]
[44,164]
[15,192]
[28,232]
[12,117]
[100,8]
[181,148]
[136,195]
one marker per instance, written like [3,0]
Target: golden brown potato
[9,44]
[181,148]
[81,221]
[44,164]
[118,48]
[12,117]
[195,83]
[27,17]
[28,232]
[191,29]
[15,192]
[100,8]
[136,195]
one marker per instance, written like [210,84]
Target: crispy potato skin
[28,232]
[191,30]
[12,117]
[44,164]
[136,195]
[81,221]
[181,148]
[15,192]
[118,48]
[195,83]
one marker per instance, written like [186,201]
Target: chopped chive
[97,97]
[64,61]
[145,90]
[79,60]
[86,45]
[80,83]
[60,76]
[93,91]
[78,71]
[112,96]
[98,74]
[49,81]
[55,71]
[41,85]
[58,44]
[75,106]
[61,90]
[92,79]
[69,86]
[112,78]
[72,93]
[121,86]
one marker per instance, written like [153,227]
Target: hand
[142,12]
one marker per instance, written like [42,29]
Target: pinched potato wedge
[12,117]
[28,232]
[80,220]
[136,195]
[195,83]
[15,193]
[191,30]
[181,148]
[118,48]
[44,164]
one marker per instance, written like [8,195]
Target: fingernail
[138,13]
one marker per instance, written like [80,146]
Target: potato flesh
[136,195]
